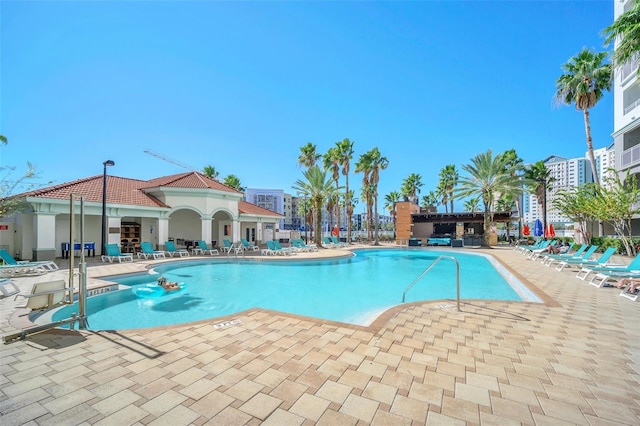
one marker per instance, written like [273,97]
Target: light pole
[104,205]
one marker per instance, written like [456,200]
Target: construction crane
[169,160]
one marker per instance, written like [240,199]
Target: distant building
[270,199]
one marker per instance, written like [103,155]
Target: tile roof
[132,191]
[248,208]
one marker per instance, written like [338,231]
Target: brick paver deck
[572,360]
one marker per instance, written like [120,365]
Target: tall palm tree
[345,154]
[449,178]
[211,172]
[411,186]
[625,29]
[515,166]
[331,161]
[472,204]
[486,178]
[538,179]
[363,165]
[378,163]
[443,196]
[583,83]
[308,155]
[3,139]
[390,201]
[316,187]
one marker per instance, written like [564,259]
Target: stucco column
[44,238]
[235,230]
[163,232]
[206,229]
[113,223]
[259,238]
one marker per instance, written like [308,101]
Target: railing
[630,107]
[628,69]
[428,269]
[630,156]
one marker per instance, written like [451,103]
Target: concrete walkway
[572,360]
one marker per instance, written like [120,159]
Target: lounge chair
[202,248]
[633,266]
[281,250]
[526,247]
[600,278]
[147,251]
[10,261]
[171,250]
[586,255]
[113,252]
[337,242]
[633,296]
[247,246]
[46,295]
[547,258]
[8,288]
[309,247]
[228,247]
[269,250]
[601,261]
[543,245]
[533,254]
[327,243]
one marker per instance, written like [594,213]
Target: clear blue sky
[243,85]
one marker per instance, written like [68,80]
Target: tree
[514,165]
[233,181]
[411,187]
[583,83]
[316,187]
[331,162]
[576,204]
[625,29]
[443,196]
[345,154]
[370,164]
[538,179]
[449,178]
[210,172]
[429,200]
[486,178]
[616,203]
[390,201]
[308,155]
[472,204]
[10,204]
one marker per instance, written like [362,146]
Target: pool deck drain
[227,323]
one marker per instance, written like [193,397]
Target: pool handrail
[428,269]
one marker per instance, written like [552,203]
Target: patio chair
[586,255]
[113,252]
[550,257]
[249,246]
[337,242]
[202,248]
[327,243]
[309,247]
[171,250]
[10,261]
[633,266]
[147,251]
[601,261]
[281,250]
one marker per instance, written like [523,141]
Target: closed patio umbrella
[537,228]
[526,231]
[549,232]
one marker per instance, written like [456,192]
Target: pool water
[352,290]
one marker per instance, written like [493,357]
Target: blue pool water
[353,290]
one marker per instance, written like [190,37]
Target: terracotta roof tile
[190,180]
[248,208]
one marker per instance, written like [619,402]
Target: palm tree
[370,164]
[210,172]
[472,205]
[308,155]
[234,182]
[390,201]
[449,178]
[514,165]
[3,139]
[345,154]
[430,200]
[316,187]
[486,178]
[442,196]
[411,187]
[538,178]
[331,162]
[363,165]
[378,163]
[626,29]
[583,83]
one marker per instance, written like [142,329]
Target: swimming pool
[352,290]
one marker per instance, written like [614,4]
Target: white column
[206,229]
[44,237]
[163,231]
[112,237]
[235,230]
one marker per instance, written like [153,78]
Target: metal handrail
[428,269]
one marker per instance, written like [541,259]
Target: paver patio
[572,360]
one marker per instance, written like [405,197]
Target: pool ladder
[428,269]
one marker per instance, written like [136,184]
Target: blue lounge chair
[147,251]
[601,261]
[550,257]
[281,250]
[327,243]
[171,250]
[585,256]
[113,252]
[10,261]
[631,268]
[309,247]
[202,248]
[247,246]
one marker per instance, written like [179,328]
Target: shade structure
[537,228]
[526,231]
[549,232]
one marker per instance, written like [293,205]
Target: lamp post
[104,204]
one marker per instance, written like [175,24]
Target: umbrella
[537,228]
[526,231]
[549,232]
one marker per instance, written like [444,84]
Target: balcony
[630,157]
[629,69]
